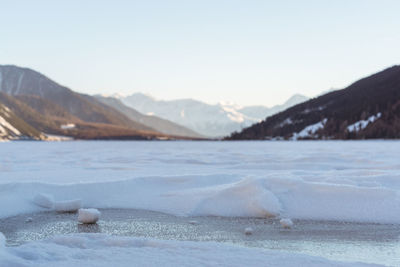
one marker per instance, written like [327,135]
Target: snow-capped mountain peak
[209,120]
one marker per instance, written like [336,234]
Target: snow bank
[67,205]
[88,215]
[98,250]
[208,195]
[44,200]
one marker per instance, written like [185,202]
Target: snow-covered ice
[331,181]
[304,180]
[88,215]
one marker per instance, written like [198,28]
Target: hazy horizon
[246,52]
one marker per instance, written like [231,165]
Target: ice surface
[102,250]
[88,215]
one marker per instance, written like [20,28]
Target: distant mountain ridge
[48,107]
[162,125]
[367,109]
[209,120]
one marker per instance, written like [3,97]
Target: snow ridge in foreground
[100,250]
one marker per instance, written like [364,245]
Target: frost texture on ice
[88,215]
[362,124]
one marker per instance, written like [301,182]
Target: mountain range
[51,108]
[367,109]
[209,120]
[34,107]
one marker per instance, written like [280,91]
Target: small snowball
[193,222]
[248,230]
[67,205]
[286,223]
[88,215]
[2,240]
[44,200]
[29,220]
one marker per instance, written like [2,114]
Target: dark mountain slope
[368,108]
[161,125]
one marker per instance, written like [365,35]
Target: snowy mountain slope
[209,120]
[261,112]
[369,108]
[14,128]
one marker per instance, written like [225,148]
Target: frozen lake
[343,196]
[362,242]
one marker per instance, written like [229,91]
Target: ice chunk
[29,220]
[88,215]
[286,223]
[67,205]
[248,230]
[44,200]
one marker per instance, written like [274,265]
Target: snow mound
[88,215]
[68,205]
[44,200]
[246,198]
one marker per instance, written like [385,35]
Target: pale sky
[249,52]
